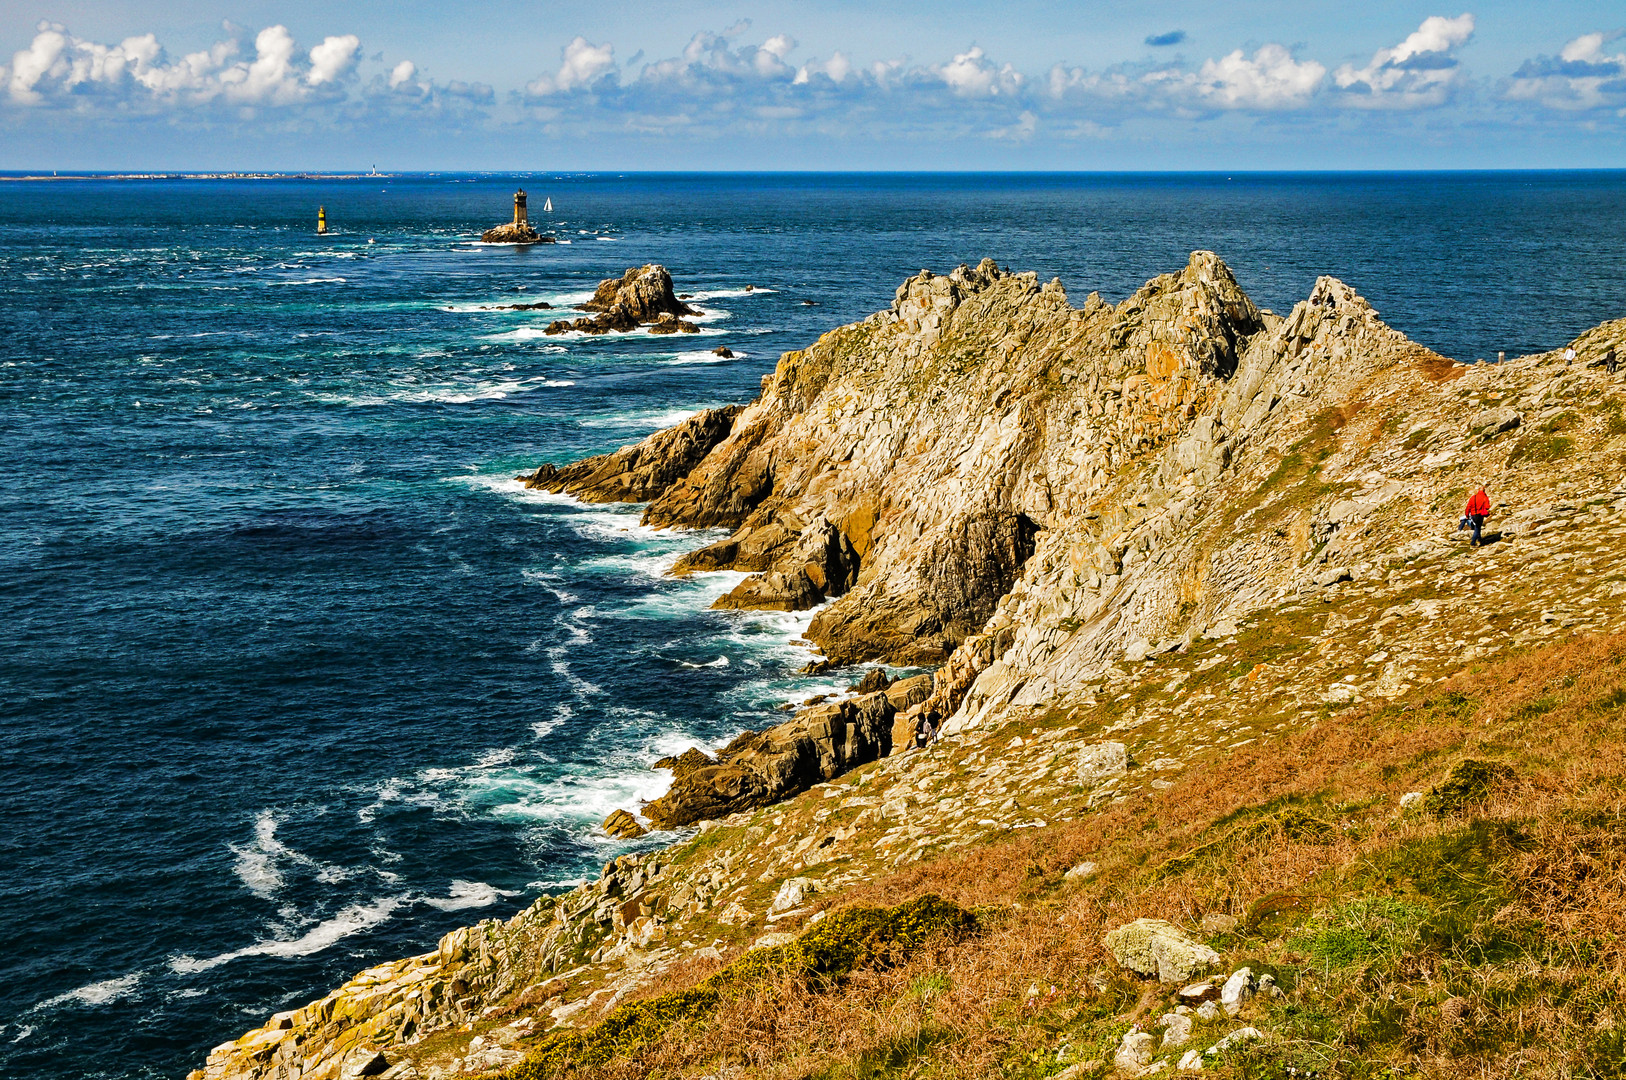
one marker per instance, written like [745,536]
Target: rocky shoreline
[1127,537]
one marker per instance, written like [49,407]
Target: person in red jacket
[1476,511]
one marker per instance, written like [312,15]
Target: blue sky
[814,84]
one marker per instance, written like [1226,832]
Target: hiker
[1476,511]
[1609,361]
[1569,355]
[926,725]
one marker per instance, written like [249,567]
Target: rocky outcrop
[639,472]
[760,767]
[514,233]
[642,296]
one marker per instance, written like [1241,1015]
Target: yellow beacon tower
[321,219]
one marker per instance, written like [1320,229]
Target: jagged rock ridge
[642,296]
[1321,457]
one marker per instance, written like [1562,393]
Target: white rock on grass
[1235,1038]
[1411,800]
[793,894]
[773,940]
[1102,760]
[1135,1052]
[1155,947]
[1176,1029]
[1082,872]
[1208,1010]
[1191,1061]
[1237,990]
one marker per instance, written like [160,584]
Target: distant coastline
[208,176]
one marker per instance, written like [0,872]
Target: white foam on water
[350,920]
[256,865]
[608,239]
[710,315]
[453,393]
[714,294]
[23,1032]
[469,894]
[694,593]
[96,993]
[701,356]
[310,281]
[655,419]
[642,564]
[721,661]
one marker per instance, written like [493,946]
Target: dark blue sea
[294,678]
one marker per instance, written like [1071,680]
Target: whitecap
[96,993]
[656,419]
[701,356]
[351,920]
[469,894]
[23,1032]
[714,294]
[256,863]
[310,281]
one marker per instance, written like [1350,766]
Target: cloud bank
[733,82]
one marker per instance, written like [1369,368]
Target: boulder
[761,767]
[1101,761]
[1176,1029]
[1236,991]
[643,292]
[874,681]
[1082,872]
[793,894]
[1155,947]
[1134,1054]
[623,824]
[724,351]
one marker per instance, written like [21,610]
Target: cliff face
[1152,533]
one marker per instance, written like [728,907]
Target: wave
[445,393]
[469,894]
[96,993]
[721,661]
[310,281]
[702,356]
[714,294]
[256,863]
[651,418]
[351,920]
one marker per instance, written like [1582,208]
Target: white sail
[547,206]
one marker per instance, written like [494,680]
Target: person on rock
[1476,511]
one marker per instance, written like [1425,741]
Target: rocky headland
[1247,761]
[642,296]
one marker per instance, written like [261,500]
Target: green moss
[1468,783]
[873,937]
[1361,931]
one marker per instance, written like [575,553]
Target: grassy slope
[1479,935]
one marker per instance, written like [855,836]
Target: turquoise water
[295,678]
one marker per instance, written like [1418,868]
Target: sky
[411,85]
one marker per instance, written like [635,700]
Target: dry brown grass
[1533,983]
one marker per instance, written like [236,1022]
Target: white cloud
[971,74]
[1582,77]
[333,59]
[836,69]
[60,68]
[582,64]
[1269,80]
[402,73]
[1417,73]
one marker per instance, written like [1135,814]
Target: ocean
[294,678]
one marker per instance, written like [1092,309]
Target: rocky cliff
[1138,541]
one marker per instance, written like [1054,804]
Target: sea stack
[519,230]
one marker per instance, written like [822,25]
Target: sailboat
[547,206]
